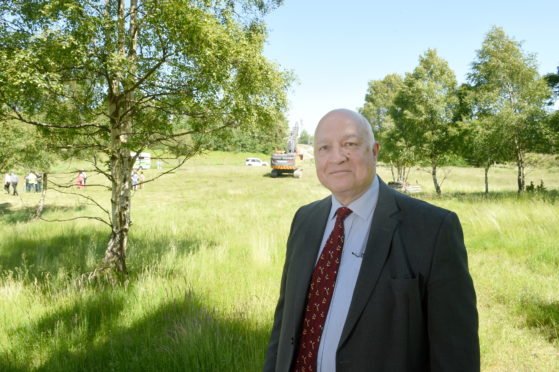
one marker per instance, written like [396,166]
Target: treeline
[501,113]
[251,139]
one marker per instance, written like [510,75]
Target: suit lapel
[383,225]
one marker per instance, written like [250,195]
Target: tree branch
[164,137]
[148,73]
[86,197]
[20,117]
[71,185]
[104,173]
[78,218]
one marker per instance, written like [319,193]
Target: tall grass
[206,250]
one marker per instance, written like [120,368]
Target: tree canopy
[425,111]
[508,103]
[552,80]
[23,146]
[306,138]
[379,110]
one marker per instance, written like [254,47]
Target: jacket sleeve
[271,355]
[451,304]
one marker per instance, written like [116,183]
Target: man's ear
[376,147]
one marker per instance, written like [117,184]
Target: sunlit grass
[206,252]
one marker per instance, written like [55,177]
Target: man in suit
[373,280]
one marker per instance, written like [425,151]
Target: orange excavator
[287,161]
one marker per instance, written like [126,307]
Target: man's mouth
[338,172]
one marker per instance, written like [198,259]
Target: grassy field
[206,250]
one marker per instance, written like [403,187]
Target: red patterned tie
[319,295]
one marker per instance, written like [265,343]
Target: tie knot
[342,213]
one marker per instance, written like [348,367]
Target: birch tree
[424,111]
[108,78]
[509,97]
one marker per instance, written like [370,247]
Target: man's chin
[340,190]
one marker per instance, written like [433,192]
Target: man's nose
[338,155]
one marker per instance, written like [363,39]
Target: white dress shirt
[356,233]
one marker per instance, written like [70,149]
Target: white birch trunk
[121,160]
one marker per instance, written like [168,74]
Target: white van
[142,161]
[255,162]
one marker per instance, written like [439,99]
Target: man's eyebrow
[343,138]
[353,135]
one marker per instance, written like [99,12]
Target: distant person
[7,182]
[135,180]
[373,280]
[142,179]
[39,186]
[84,177]
[159,164]
[14,181]
[26,183]
[30,182]
[79,181]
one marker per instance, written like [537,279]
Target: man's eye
[351,144]
[323,148]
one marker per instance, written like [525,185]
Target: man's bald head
[346,115]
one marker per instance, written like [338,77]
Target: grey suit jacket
[414,304]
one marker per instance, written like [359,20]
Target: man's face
[345,160]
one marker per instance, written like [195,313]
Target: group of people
[138,179]
[33,182]
[11,179]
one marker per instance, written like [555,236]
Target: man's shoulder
[316,205]
[316,209]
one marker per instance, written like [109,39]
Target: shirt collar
[362,206]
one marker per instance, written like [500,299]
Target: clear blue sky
[335,47]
